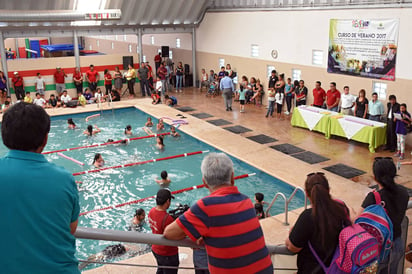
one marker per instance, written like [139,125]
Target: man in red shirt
[333,98]
[59,76]
[157,60]
[319,95]
[225,221]
[18,85]
[159,219]
[92,77]
[161,73]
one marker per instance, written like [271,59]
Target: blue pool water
[117,186]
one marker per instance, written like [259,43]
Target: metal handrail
[287,202]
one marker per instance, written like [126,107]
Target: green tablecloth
[374,136]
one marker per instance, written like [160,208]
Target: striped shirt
[234,240]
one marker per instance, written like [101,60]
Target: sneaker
[397,154]
[402,156]
[230,109]
[287,112]
[181,90]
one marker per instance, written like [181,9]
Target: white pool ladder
[287,202]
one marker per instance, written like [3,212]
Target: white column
[140,45]
[194,55]
[4,61]
[76,49]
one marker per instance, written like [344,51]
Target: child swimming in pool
[160,126]
[71,124]
[159,143]
[149,122]
[98,160]
[173,132]
[164,181]
[90,132]
[128,130]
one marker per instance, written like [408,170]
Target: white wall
[293,33]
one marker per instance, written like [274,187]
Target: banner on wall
[365,48]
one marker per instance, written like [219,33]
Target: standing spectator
[347,102]
[229,70]
[244,83]
[393,107]
[204,80]
[227,88]
[92,77]
[18,85]
[319,225]
[162,72]
[221,74]
[44,213]
[271,102]
[376,109]
[279,97]
[361,105]
[333,98]
[401,131]
[108,81]
[169,74]
[280,84]
[3,84]
[158,60]
[236,220]
[131,79]
[143,75]
[59,76]
[39,85]
[302,93]
[395,199]
[150,76]
[159,219]
[288,95]
[179,77]
[78,79]
[118,80]
[319,95]
[242,93]
[272,79]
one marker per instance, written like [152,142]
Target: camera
[179,210]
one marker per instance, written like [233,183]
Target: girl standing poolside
[288,95]
[401,131]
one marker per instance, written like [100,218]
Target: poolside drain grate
[287,148]
[344,171]
[310,157]
[185,109]
[262,139]
[202,115]
[219,122]
[237,129]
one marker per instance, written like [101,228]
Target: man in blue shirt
[376,109]
[227,88]
[39,200]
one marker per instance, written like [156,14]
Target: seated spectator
[88,95]
[39,101]
[375,108]
[319,225]
[204,78]
[170,100]
[81,99]
[65,98]
[361,105]
[156,99]
[53,103]
[27,98]
[395,198]
[99,97]
[236,220]
[138,220]
[115,95]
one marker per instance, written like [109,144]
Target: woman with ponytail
[395,201]
[319,225]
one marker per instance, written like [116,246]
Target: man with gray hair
[225,221]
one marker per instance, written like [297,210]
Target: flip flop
[183,117]
[179,114]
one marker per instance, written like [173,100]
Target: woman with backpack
[395,201]
[320,226]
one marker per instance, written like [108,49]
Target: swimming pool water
[117,186]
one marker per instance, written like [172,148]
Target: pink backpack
[357,252]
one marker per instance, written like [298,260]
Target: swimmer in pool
[138,220]
[90,132]
[164,179]
[128,130]
[159,142]
[173,132]
[71,124]
[149,122]
[160,125]
[98,160]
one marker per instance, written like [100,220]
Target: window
[254,50]
[116,37]
[130,47]
[112,45]
[98,43]
[124,37]
[159,50]
[269,70]
[144,58]
[317,57]
[178,43]
[296,74]
[380,88]
[90,47]
[152,41]
[221,62]
[170,54]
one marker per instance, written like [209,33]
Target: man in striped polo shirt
[225,221]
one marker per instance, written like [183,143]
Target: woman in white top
[279,103]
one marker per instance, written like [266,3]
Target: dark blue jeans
[166,261]
[270,108]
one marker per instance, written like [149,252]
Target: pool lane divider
[141,163]
[70,158]
[154,196]
[107,143]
